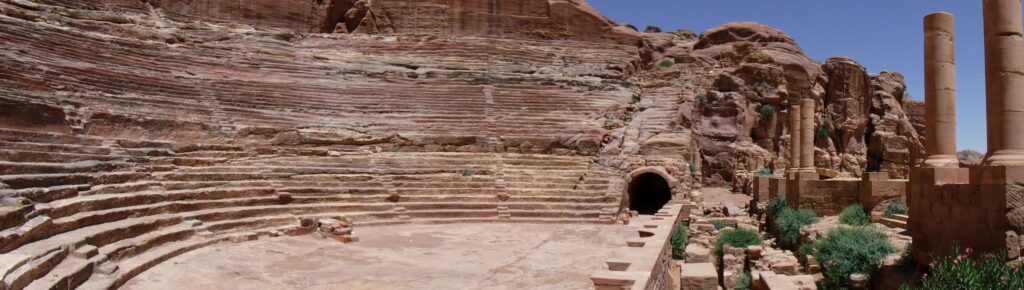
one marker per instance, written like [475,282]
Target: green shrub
[825,129]
[807,249]
[723,224]
[764,171]
[693,167]
[968,270]
[467,172]
[775,206]
[680,238]
[742,282]
[906,261]
[740,238]
[851,250]
[790,221]
[702,98]
[668,62]
[895,207]
[767,112]
[823,132]
[854,215]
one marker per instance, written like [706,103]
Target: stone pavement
[455,256]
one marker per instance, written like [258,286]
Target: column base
[1005,157]
[942,161]
[806,171]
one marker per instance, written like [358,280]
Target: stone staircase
[898,221]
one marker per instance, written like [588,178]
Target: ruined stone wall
[876,187]
[946,215]
[646,262]
[828,197]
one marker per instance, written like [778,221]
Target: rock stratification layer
[133,131]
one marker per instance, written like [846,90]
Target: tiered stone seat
[94,214]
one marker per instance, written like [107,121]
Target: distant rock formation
[970,158]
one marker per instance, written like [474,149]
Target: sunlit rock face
[171,125]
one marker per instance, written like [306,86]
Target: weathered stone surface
[698,276]
[268,118]
[696,253]
[762,67]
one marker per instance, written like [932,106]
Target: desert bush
[775,206]
[825,129]
[906,261]
[851,250]
[790,221]
[767,112]
[740,238]
[854,215]
[896,207]
[764,171]
[807,249]
[722,224]
[680,238]
[742,282]
[666,62]
[467,172]
[693,167]
[823,132]
[702,98]
[968,270]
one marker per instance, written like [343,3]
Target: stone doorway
[648,192]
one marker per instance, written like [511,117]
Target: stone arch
[648,189]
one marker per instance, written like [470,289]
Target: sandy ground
[456,256]
[716,196]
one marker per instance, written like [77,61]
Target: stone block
[696,253]
[698,276]
[614,279]
[85,252]
[785,268]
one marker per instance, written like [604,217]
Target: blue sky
[880,34]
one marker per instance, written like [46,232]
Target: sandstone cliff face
[758,71]
[532,76]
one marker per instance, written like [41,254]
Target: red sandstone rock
[164,111]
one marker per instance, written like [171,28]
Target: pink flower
[969,250]
[924,276]
[931,265]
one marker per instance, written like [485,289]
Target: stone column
[794,137]
[940,91]
[1004,74]
[807,135]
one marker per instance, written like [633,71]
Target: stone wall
[776,187]
[978,208]
[829,197]
[761,188]
[646,261]
[876,187]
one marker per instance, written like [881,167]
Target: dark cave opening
[648,193]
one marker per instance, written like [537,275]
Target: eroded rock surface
[144,129]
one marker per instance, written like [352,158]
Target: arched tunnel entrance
[648,192]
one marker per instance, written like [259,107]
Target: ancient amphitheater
[465,144]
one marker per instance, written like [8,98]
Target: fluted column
[1004,78]
[807,135]
[940,91]
[794,137]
